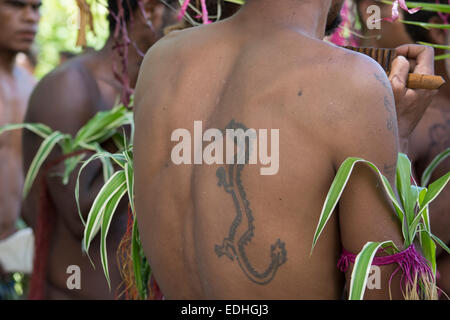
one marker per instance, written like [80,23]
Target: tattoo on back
[234,245]
[440,136]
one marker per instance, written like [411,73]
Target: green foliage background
[58,30]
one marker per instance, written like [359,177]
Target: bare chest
[13,103]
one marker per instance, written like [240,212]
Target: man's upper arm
[371,133]
[54,104]
[153,106]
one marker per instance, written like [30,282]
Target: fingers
[423,56]
[399,75]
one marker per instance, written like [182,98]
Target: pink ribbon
[396,13]
[444,16]
[205,15]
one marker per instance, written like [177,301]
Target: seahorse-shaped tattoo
[230,179]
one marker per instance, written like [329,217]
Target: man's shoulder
[357,78]
[350,95]
[62,93]
[358,70]
[67,82]
[184,44]
[67,74]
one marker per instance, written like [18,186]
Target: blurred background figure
[18,24]
[432,135]
[389,35]
[27,60]
[65,99]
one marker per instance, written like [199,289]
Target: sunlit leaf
[361,269]
[428,172]
[94,220]
[40,157]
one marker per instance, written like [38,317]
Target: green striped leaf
[442,57]
[434,45]
[94,220]
[434,190]
[434,7]
[427,25]
[408,195]
[428,172]
[102,125]
[108,215]
[333,196]
[139,267]
[425,214]
[440,242]
[428,248]
[129,174]
[361,268]
[421,193]
[39,129]
[337,188]
[117,158]
[70,165]
[44,150]
[426,6]
[118,139]
[107,166]
[241,2]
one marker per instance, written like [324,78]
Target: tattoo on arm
[234,245]
[383,81]
[389,170]
[391,120]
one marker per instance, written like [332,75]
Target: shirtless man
[268,70]
[18,24]
[65,100]
[432,134]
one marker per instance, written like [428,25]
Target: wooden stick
[422,81]
[385,57]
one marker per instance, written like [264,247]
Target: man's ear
[437,35]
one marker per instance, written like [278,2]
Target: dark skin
[53,103]
[308,84]
[18,22]
[431,136]
[390,35]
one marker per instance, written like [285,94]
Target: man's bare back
[226,231]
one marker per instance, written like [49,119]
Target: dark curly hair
[129,6]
